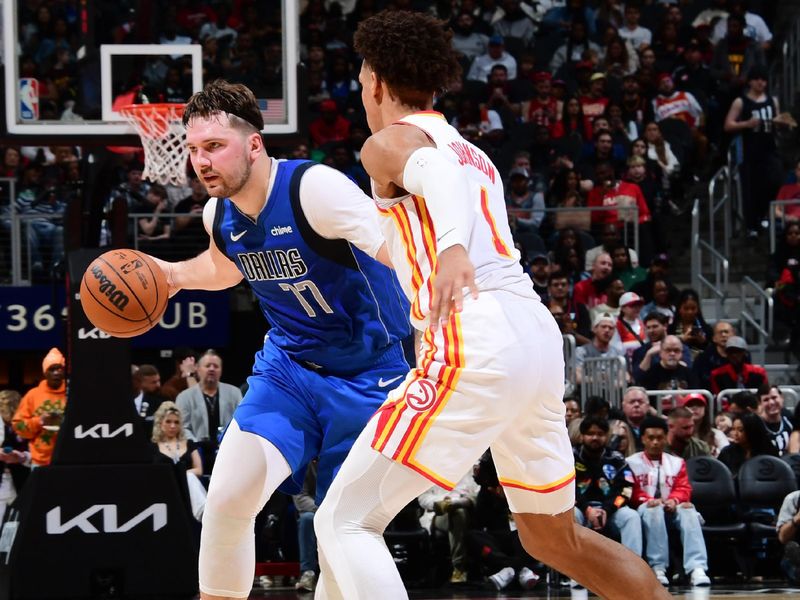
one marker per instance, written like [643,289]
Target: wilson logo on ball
[420,395]
[117,297]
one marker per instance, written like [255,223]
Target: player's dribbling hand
[166,267]
[453,274]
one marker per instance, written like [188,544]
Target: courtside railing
[569,364]
[605,377]
[676,395]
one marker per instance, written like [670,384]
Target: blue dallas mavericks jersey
[327,301]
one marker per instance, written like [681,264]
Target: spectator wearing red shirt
[608,191]
[595,103]
[543,108]
[330,126]
[586,292]
[737,373]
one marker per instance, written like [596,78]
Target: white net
[164,140]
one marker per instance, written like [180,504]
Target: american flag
[273,109]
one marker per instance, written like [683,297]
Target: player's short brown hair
[411,52]
[219,96]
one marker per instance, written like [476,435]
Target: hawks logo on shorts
[420,395]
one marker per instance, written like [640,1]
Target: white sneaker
[307,582]
[661,575]
[502,578]
[574,585]
[265,581]
[699,578]
[527,578]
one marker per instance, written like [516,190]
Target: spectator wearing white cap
[737,373]
[630,326]
[603,327]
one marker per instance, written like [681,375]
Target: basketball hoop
[164,139]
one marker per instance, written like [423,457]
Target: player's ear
[255,144]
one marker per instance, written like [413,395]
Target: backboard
[67,68]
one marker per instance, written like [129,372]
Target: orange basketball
[124,293]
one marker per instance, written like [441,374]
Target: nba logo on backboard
[29,99]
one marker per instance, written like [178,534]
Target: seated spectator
[543,108]
[185,375]
[571,124]
[724,422]
[610,238]
[14,454]
[539,269]
[749,438]
[655,324]
[572,409]
[597,406]
[467,42]
[575,316]
[693,75]
[681,439]
[594,103]
[619,59]
[630,275]
[603,486]
[630,328]
[496,54]
[658,269]
[621,439]
[614,289]
[741,404]
[659,150]
[492,541]
[788,526]
[41,410]
[737,373]
[622,195]
[588,291]
[525,205]
[713,437]
[566,239]
[637,173]
[660,299]
[734,56]
[777,419]
[171,447]
[306,506]
[452,515]
[636,407]
[188,233]
[154,227]
[689,324]
[473,123]
[515,24]
[715,355]
[662,493]
[669,373]
[330,126]
[639,37]
[636,110]
[603,328]
[208,407]
[754,26]
[573,50]
[149,397]
[677,104]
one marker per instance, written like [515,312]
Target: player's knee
[224,500]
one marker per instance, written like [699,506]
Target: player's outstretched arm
[210,270]
[403,158]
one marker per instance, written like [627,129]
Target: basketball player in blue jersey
[306,239]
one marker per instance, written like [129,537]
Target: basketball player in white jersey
[490,370]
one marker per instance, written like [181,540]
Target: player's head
[407,59]
[223,132]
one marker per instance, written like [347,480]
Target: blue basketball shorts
[311,414]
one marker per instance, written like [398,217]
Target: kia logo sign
[103,431]
[92,334]
[109,523]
